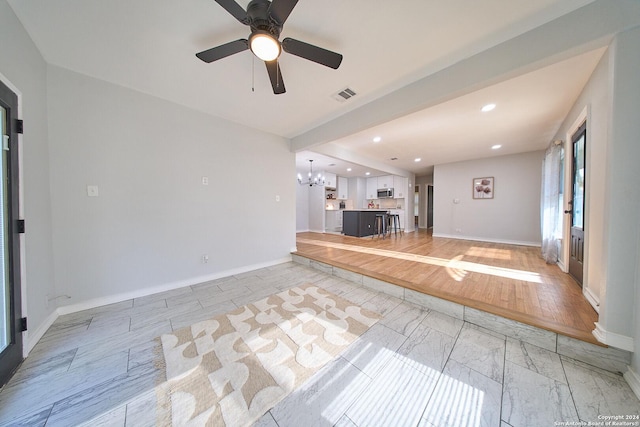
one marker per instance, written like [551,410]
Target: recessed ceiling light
[348,169]
[367,173]
[332,164]
[495,147]
[488,107]
[417,159]
[377,139]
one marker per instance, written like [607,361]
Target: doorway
[11,325]
[416,206]
[429,206]
[576,203]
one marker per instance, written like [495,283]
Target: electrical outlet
[458,230]
[92,191]
[46,300]
[205,258]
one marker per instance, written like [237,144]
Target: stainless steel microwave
[385,193]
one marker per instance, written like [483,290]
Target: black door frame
[12,356]
[429,205]
[576,259]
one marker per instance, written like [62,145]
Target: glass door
[10,296]
[576,253]
[5,296]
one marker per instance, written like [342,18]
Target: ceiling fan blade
[312,53]
[223,51]
[235,10]
[281,9]
[273,68]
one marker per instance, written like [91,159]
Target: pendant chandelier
[311,180]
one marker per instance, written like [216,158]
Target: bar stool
[394,223]
[380,225]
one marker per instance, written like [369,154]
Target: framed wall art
[483,188]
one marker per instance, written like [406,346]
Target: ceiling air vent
[344,94]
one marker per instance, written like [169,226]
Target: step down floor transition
[423,270]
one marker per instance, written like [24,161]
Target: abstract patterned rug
[231,369]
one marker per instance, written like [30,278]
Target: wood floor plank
[507,280]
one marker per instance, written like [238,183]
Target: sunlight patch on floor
[493,253]
[455,264]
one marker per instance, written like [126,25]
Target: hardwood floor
[506,280]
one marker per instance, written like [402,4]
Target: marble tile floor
[416,367]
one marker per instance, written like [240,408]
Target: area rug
[233,368]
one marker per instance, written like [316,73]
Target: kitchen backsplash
[332,205]
[386,203]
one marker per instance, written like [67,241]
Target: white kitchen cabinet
[343,188]
[330,179]
[385,181]
[333,221]
[400,187]
[372,188]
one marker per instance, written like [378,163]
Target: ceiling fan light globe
[264,46]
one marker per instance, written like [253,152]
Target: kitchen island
[360,222]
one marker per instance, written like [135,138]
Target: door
[429,206]
[416,206]
[576,202]
[10,298]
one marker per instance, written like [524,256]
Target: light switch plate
[92,190]
[205,180]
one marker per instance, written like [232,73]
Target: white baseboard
[486,239]
[633,379]
[562,266]
[612,339]
[592,298]
[112,299]
[32,337]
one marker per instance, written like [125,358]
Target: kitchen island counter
[360,222]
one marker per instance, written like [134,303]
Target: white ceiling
[325,163]
[150,46]
[529,110]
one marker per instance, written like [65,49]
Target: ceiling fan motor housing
[260,20]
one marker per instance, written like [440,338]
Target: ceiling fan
[266,19]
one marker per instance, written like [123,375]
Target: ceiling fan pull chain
[253,74]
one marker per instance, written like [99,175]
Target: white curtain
[551,205]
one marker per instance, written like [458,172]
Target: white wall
[302,208]
[623,207]
[422,182]
[595,98]
[358,192]
[316,208]
[612,98]
[512,216]
[23,68]
[154,219]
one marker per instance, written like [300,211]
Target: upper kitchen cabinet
[400,187]
[330,180]
[343,188]
[385,181]
[372,188]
